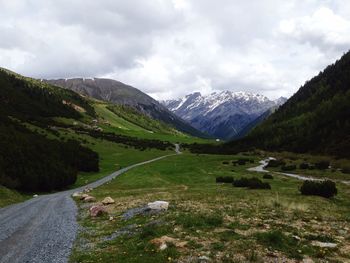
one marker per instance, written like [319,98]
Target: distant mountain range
[122,94]
[226,115]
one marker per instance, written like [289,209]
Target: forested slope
[30,161]
[315,119]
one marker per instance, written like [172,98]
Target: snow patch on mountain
[222,114]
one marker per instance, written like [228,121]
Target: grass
[8,196]
[226,224]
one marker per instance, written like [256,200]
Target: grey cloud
[168,49]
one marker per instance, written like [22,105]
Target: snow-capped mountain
[221,114]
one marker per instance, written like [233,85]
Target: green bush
[325,188]
[304,166]
[290,167]
[224,179]
[322,165]
[251,183]
[268,176]
[276,163]
[200,220]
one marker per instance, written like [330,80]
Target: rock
[162,242]
[35,196]
[158,205]
[323,244]
[97,210]
[203,259]
[296,237]
[77,194]
[87,189]
[108,200]
[111,218]
[83,196]
[89,199]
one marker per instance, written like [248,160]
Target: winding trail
[43,229]
[261,169]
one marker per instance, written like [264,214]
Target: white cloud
[169,48]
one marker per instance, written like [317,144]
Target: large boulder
[158,205]
[97,210]
[108,200]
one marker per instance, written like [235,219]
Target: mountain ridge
[222,114]
[122,94]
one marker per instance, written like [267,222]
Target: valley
[67,153]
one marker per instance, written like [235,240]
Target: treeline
[315,120]
[137,143]
[29,99]
[31,162]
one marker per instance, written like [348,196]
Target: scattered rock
[162,242]
[323,244]
[83,196]
[158,205]
[296,237]
[108,200]
[89,199]
[87,190]
[77,194]
[203,259]
[127,230]
[97,210]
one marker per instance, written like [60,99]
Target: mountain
[122,94]
[316,119]
[221,114]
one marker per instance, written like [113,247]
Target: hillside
[223,114]
[316,119]
[31,161]
[119,93]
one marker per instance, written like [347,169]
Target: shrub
[251,183]
[325,188]
[322,165]
[268,176]
[290,167]
[200,220]
[304,166]
[224,179]
[276,163]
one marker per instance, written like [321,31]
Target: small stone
[77,194]
[158,205]
[108,200]
[35,196]
[97,210]
[323,244]
[203,259]
[83,196]
[111,218]
[89,199]
[296,238]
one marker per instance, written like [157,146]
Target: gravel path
[263,163]
[43,229]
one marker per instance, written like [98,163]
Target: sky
[170,48]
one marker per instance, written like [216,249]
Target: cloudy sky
[169,48]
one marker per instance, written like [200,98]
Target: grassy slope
[224,223]
[122,126]
[8,196]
